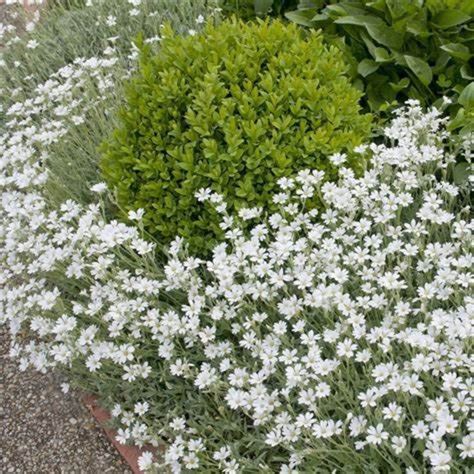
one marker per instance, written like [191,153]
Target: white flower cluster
[340,335]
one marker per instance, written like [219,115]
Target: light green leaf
[420,68]
[381,55]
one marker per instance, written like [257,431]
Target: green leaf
[359,20]
[262,7]
[385,35]
[381,55]
[367,67]
[420,68]
[466,73]
[457,50]
[449,18]
[467,96]
[461,173]
[418,28]
[302,17]
[320,17]
[400,85]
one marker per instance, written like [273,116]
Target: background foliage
[233,109]
[402,49]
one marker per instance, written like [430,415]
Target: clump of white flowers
[337,338]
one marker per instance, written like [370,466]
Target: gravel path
[44,431]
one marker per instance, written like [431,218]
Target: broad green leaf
[346,9]
[381,55]
[461,173]
[418,28]
[262,7]
[319,17]
[449,18]
[385,35]
[367,67]
[441,62]
[302,17]
[458,121]
[467,96]
[400,85]
[399,8]
[369,44]
[336,10]
[457,50]
[466,73]
[359,20]
[420,68]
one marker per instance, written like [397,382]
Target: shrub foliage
[403,49]
[233,109]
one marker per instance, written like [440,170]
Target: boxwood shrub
[234,109]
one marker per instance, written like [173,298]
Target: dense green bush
[403,49]
[233,109]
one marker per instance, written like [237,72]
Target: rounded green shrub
[233,109]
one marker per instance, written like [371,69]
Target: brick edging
[129,453]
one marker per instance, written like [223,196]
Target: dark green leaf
[367,67]
[441,62]
[457,50]
[467,96]
[461,173]
[385,36]
[420,68]
[302,17]
[400,85]
[466,73]
[359,20]
[418,28]
[262,7]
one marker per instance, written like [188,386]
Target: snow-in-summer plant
[319,341]
[45,54]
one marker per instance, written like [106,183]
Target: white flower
[467,446]
[145,461]
[99,188]
[376,435]
[136,215]
[338,159]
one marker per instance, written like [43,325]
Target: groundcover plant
[337,340]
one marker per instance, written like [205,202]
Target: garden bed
[246,228]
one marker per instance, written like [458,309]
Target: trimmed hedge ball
[234,109]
